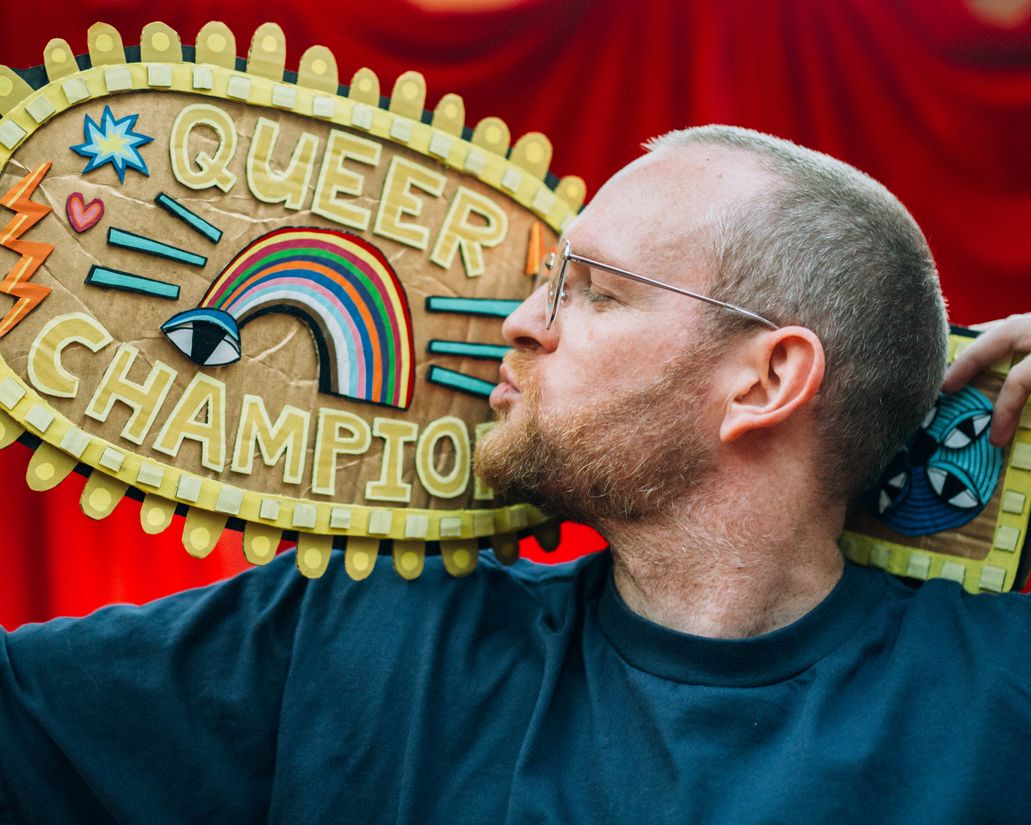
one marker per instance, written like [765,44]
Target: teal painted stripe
[138,243]
[127,282]
[494,307]
[492,352]
[459,381]
[195,222]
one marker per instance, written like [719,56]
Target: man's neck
[727,570]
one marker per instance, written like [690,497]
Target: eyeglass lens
[555,266]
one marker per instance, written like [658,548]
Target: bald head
[666,207]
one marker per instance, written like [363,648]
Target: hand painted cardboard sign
[275,302]
[269,302]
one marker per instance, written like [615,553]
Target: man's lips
[506,377]
[506,388]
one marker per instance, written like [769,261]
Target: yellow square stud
[953,571]
[380,522]
[1020,456]
[919,566]
[1006,538]
[992,578]
[1013,502]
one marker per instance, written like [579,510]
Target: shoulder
[948,599]
[267,616]
[524,589]
[390,634]
[279,594]
[950,624]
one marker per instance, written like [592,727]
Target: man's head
[833,250]
[635,393]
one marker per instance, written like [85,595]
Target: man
[680,428]
[735,335]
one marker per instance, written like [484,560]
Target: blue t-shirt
[519,695]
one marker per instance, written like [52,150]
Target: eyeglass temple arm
[633,276]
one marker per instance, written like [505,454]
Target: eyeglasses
[557,264]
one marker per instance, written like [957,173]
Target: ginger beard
[623,459]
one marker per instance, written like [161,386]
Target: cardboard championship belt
[263,299]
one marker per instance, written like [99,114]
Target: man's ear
[775,374]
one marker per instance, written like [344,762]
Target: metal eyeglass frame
[565,254]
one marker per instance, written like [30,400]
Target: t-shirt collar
[766,659]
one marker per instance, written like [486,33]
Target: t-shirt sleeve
[166,712]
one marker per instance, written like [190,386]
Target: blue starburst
[113,141]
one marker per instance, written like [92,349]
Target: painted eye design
[929,417]
[894,481]
[208,338]
[891,490]
[964,433]
[946,473]
[952,488]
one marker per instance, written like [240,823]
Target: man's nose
[525,329]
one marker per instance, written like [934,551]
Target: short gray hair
[833,250]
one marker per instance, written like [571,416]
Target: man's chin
[521,466]
[508,459]
[493,455]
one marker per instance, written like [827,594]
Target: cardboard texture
[260,302]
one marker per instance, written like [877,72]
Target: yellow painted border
[498,172]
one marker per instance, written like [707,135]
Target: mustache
[520,365]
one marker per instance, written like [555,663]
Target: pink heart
[82,215]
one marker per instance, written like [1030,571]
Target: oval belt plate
[270,302]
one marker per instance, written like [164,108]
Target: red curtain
[928,96]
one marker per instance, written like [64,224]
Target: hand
[1000,339]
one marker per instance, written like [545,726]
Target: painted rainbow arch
[342,286]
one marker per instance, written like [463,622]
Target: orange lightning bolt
[16,282]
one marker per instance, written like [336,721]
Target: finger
[986,349]
[1010,403]
[1001,340]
